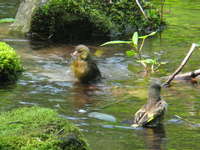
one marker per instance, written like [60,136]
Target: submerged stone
[38,128]
[102,116]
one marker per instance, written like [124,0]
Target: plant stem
[161,10]
[141,46]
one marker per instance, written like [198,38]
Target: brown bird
[83,66]
[152,113]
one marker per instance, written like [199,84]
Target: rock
[24,15]
[38,128]
[102,116]
[82,111]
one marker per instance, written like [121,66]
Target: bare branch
[138,3]
[185,60]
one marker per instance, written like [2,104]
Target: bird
[152,113]
[83,66]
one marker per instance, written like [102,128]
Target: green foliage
[150,65]
[7,20]
[135,39]
[130,53]
[10,64]
[83,19]
[38,128]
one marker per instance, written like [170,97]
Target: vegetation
[150,64]
[7,20]
[38,128]
[10,64]
[91,20]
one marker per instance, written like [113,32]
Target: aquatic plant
[150,65]
[38,128]
[90,20]
[10,64]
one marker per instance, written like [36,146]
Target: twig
[185,120]
[138,3]
[181,65]
[161,10]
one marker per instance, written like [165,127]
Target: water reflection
[82,94]
[154,138]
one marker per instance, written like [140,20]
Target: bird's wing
[144,116]
[157,111]
[141,116]
[160,108]
[95,68]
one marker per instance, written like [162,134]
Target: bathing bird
[152,113]
[83,66]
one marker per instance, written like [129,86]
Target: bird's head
[81,52]
[154,91]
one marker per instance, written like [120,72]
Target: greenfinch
[83,66]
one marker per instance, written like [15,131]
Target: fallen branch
[185,60]
[188,75]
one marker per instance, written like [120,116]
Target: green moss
[10,64]
[38,128]
[78,20]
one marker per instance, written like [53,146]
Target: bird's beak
[74,54]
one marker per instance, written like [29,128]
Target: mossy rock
[10,64]
[38,128]
[86,20]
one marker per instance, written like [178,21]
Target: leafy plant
[10,63]
[151,64]
[96,18]
[7,20]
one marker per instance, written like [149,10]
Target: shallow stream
[48,82]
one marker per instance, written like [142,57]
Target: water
[48,82]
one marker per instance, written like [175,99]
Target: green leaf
[146,36]
[7,20]
[130,53]
[197,44]
[148,61]
[116,42]
[135,39]
[163,63]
